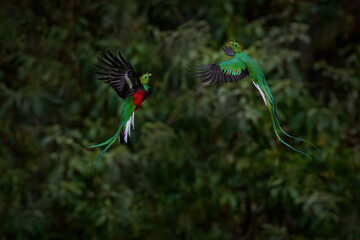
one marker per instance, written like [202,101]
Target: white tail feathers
[128,126]
[261,92]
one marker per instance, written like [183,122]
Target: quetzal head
[236,47]
[144,79]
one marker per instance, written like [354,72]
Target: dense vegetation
[203,162]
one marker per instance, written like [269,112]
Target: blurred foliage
[203,162]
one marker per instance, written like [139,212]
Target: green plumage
[236,69]
[127,111]
[121,76]
[233,67]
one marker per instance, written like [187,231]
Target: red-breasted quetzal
[121,76]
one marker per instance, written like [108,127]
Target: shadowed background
[203,162]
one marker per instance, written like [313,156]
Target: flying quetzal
[121,76]
[240,66]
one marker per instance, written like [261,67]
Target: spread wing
[118,74]
[230,71]
[228,51]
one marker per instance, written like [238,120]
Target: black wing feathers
[213,74]
[118,74]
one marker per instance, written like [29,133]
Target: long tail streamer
[276,125]
[108,144]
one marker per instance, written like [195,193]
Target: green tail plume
[276,125]
[288,135]
[108,144]
[274,121]
[103,143]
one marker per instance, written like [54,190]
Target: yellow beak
[149,74]
[230,42]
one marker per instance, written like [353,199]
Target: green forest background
[203,161]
